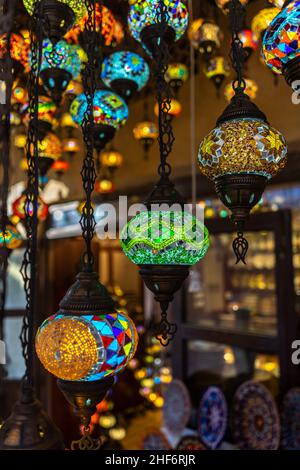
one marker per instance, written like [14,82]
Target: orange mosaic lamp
[19,206]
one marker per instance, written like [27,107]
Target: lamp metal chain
[237,52]
[29,265]
[88,171]
[164,94]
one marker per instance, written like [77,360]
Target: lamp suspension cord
[29,265]
[237,53]
[88,172]
[161,56]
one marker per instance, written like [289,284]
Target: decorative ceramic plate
[290,420]
[212,417]
[255,420]
[177,407]
[155,440]
[190,443]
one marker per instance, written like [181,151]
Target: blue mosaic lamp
[142,20]
[125,72]
[110,113]
[281,43]
[60,64]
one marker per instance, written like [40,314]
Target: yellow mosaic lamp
[111,159]
[250,90]
[262,20]
[146,132]
[240,155]
[216,70]
[210,38]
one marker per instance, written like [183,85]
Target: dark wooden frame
[280,224]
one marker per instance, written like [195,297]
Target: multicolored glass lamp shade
[60,63]
[174,111]
[210,38]
[164,238]
[19,50]
[110,113]
[240,155]
[86,343]
[262,20]
[67,122]
[86,347]
[216,70]
[281,43]
[125,72]
[249,41]
[146,132]
[250,90]
[19,207]
[46,114]
[74,89]
[176,75]
[142,15]
[11,239]
[111,159]
[59,15]
[111,33]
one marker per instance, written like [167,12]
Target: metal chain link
[164,94]
[29,265]
[88,172]
[237,51]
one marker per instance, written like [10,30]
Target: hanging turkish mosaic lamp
[60,64]
[111,159]
[146,132]
[251,89]
[60,167]
[281,43]
[142,21]
[87,342]
[21,208]
[46,115]
[19,95]
[57,15]
[217,69]
[50,150]
[262,20]
[125,73]
[71,146]
[243,152]
[110,113]
[11,238]
[210,38]
[176,75]
[162,242]
[109,32]
[104,186]
[19,51]
[249,41]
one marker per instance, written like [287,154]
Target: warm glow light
[11,239]
[86,347]
[67,121]
[250,90]
[104,186]
[20,205]
[107,421]
[50,146]
[60,166]
[194,32]
[175,109]
[145,130]
[20,141]
[111,159]
[262,20]
[242,145]
[71,146]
